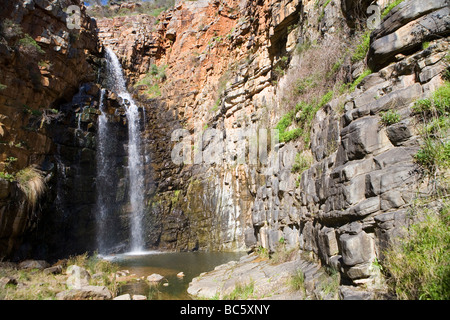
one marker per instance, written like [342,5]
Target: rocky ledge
[257,277]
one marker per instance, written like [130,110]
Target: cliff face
[42,65]
[231,66]
[338,182]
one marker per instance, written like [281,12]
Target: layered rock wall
[222,68]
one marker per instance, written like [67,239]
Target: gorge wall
[230,66]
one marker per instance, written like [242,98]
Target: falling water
[103,176]
[135,158]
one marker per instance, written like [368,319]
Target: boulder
[123,297]
[85,293]
[395,176]
[53,270]
[356,143]
[357,248]
[353,293]
[78,277]
[34,264]
[155,278]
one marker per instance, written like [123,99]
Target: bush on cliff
[418,264]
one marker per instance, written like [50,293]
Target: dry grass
[32,285]
[36,285]
[315,71]
[31,182]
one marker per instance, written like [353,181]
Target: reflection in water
[168,265]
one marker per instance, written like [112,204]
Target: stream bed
[169,264]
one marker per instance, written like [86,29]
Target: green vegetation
[31,182]
[283,124]
[363,47]
[425,45]
[302,162]
[241,292]
[28,44]
[297,281]
[303,114]
[44,64]
[9,29]
[418,264]
[216,105]
[152,79]
[330,283]
[3,87]
[390,117]
[263,253]
[433,153]
[36,285]
[153,8]
[6,176]
[390,7]
[438,104]
[359,80]
[303,85]
[433,114]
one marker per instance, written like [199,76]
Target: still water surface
[168,265]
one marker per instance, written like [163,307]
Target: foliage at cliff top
[119,8]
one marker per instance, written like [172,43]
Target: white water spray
[135,157]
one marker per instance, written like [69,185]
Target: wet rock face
[67,222]
[42,64]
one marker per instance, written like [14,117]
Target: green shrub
[418,264]
[152,79]
[302,85]
[29,44]
[436,126]
[326,98]
[297,281]
[433,154]
[437,104]
[302,162]
[435,115]
[262,252]
[7,176]
[390,7]
[3,87]
[283,124]
[241,292]
[390,117]
[423,105]
[359,79]
[363,47]
[425,45]
[441,98]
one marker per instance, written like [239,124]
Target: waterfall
[103,176]
[135,157]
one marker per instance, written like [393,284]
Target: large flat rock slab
[269,280]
